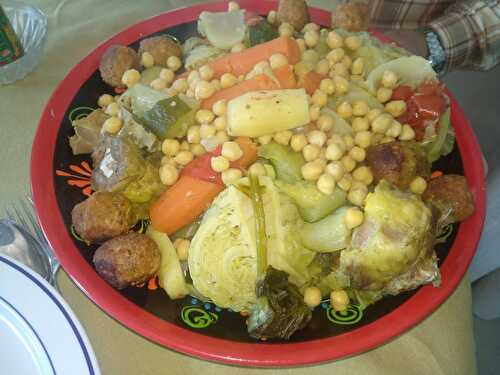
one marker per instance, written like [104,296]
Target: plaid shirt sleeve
[470,34]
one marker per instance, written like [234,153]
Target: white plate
[39,334]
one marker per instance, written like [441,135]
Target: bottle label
[10,46]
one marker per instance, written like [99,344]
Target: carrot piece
[182,203]
[249,149]
[311,81]
[259,82]
[436,174]
[286,77]
[243,62]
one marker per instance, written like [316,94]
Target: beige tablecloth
[442,344]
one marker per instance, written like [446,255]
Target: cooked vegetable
[249,115]
[115,61]
[136,132]
[224,29]
[87,132]
[356,93]
[280,309]
[102,216]
[285,77]
[169,118]
[141,98]
[312,204]
[150,74]
[119,166]
[243,62]
[201,55]
[170,275]
[129,259]
[411,71]
[327,235]
[311,81]
[286,162]
[340,126]
[261,32]
[444,140]
[161,48]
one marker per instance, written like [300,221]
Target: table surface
[442,344]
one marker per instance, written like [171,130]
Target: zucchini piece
[286,162]
[261,32]
[312,204]
[327,235]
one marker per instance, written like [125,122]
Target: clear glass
[30,25]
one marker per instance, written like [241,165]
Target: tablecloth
[442,344]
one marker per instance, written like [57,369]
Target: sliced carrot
[286,77]
[182,203]
[259,82]
[243,62]
[311,81]
[249,149]
[436,174]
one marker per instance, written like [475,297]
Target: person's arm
[469,32]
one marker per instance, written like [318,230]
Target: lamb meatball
[397,162]
[161,48]
[451,195]
[294,12]
[351,17]
[101,216]
[126,260]
[116,61]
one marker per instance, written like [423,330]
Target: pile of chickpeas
[332,160]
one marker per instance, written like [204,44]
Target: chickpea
[348,162]
[384,94]
[193,134]
[323,67]
[272,17]
[334,40]
[131,77]
[312,296]
[168,160]
[278,60]
[363,139]
[311,170]
[311,26]
[418,185]
[319,98]
[336,170]
[220,123]
[357,154]
[339,300]
[112,125]
[387,140]
[302,44]
[219,108]
[184,157]
[373,114]
[283,137]
[193,78]
[352,42]
[341,85]
[348,141]
[204,116]
[314,112]
[206,72]
[298,142]
[358,66]
[105,100]
[311,37]
[359,124]
[238,47]
[357,195]
[344,109]
[285,29]
[170,147]
[207,131]
[407,133]
[204,90]
[182,248]
[382,123]
[327,86]
[335,55]
[168,174]
[264,139]
[228,80]
[395,129]
[180,85]
[197,149]
[360,108]
[230,176]
[219,163]
[174,63]
[232,6]
[363,174]
[325,122]
[346,61]
[231,151]
[335,138]
[311,152]
[389,79]
[339,69]
[326,184]
[257,169]
[345,182]
[158,84]
[353,217]
[396,107]
[222,136]
[184,146]
[316,137]
[334,152]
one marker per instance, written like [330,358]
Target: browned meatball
[101,216]
[294,12]
[351,17]
[397,162]
[451,195]
[161,48]
[129,259]
[116,61]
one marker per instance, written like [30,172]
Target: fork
[22,212]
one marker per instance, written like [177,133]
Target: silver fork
[22,212]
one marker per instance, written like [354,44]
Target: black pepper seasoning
[10,46]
